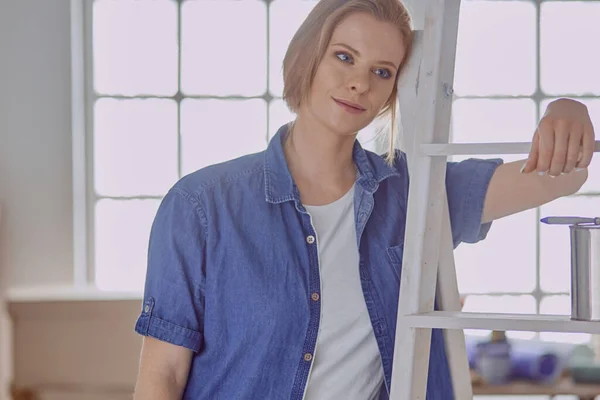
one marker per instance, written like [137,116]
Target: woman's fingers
[532,159]
[562,140]
[546,146]
[588,146]
[573,152]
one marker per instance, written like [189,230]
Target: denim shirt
[233,269]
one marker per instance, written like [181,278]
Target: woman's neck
[320,162]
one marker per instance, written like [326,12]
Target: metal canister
[585,265]
[585,272]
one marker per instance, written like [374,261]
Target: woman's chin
[345,129]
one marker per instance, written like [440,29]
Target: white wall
[35,142]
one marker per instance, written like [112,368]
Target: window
[167,76]
[513,58]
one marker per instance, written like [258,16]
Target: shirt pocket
[394,256]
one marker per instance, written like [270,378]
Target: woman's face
[357,74]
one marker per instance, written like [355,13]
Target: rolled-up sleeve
[467,184]
[173,303]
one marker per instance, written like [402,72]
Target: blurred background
[105,104]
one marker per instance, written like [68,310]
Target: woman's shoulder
[242,170]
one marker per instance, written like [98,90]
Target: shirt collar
[280,186]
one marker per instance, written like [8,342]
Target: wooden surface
[564,387]
[85,348]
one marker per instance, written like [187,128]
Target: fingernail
[541,173]
[523,168]
[579,169]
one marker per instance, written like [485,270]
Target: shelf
[498,321]
[447,149]
[34,294]
[564,386]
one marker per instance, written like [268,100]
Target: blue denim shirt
[231,270]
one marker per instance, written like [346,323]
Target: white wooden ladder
[425,97]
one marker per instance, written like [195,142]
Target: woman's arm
[511,191]
[561,150]
[163,371]
[173,303]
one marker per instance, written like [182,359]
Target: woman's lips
[350,107]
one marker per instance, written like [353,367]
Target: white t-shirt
[346,363]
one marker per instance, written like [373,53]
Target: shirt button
[147,308]
[307,357]
[310,239]
[315,296]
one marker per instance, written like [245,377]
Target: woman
[276,275]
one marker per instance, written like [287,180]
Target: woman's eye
[343,57]
[383,73]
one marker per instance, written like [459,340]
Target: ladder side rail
[426,194]
[449,300]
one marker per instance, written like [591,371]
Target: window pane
[285,18]
[570,56]
[555,248]
[494,56]
[213,131]
[135,47]
[279,115]
[486,120]
[504,262]
[500,304]
[224,47]
[593,182]
[122,233]
[560,305]
[135,147]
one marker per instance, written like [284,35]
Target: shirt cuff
[149,325]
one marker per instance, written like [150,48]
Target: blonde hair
[300,66]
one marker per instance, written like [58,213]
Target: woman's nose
[359,83]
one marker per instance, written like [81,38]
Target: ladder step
[448,149]
[500,321]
